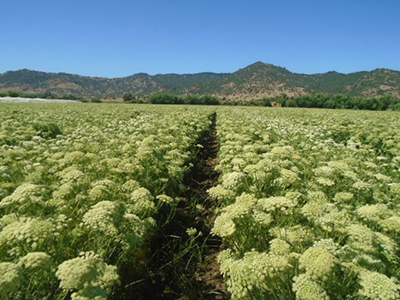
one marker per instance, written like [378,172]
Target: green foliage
[129,97]
[290,103]
[47,131]
[326,101]
[189,99]
[70,97]
[165,99]
[13,94]
[209,100]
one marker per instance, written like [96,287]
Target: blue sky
[118,38]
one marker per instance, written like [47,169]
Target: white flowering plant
[79,206]
[321,190]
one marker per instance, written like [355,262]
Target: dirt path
[202,177]
[183,263]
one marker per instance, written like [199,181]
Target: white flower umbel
[377,286]
[10,278]
[86,270]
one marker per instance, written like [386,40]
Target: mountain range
[255,81]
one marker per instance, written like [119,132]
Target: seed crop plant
[309,203]
[81,202]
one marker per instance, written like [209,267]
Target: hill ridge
[254,81]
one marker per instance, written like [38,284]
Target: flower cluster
[378,286]
[36,260]
[10,278]
[86,270]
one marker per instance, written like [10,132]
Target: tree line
[325,101]
[283,100]
[166,98]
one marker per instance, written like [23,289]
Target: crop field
[111,201]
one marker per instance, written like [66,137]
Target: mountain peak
[258,64]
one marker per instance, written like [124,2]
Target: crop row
[309,204]
[82,189]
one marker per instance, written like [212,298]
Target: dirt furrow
[183,253]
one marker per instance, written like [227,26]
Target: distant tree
[209,100]
[95,100]
[191,99]
[47,95]
[284,96]
[69,97]
[166,99]
[13,94]
[266,102]
[291,103]
[128,97]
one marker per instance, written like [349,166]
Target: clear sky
[121,37]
